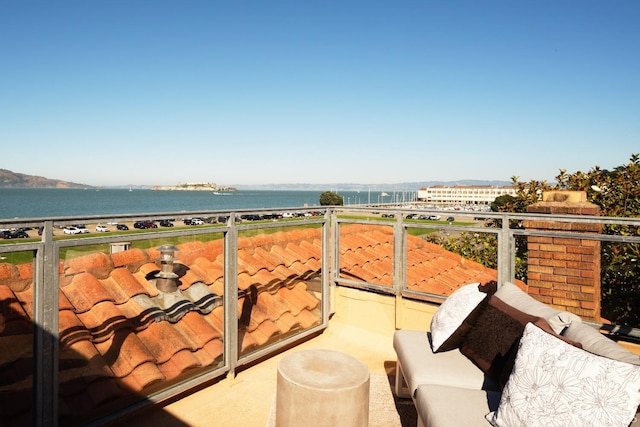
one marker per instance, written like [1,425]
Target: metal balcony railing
[46,252]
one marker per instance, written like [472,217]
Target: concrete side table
[322,388]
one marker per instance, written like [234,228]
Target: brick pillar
[565,272]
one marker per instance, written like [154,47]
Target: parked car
[14,234]
[196,221]
[20,234]
[251,217]
[165,223]
[122,226]
[83,229]
[450,219]
[101,228]
[144,224]
[71,230]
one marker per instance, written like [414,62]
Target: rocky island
[195,186]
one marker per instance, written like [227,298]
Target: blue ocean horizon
[22,203]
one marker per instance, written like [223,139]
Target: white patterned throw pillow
[556,384]
[450,316]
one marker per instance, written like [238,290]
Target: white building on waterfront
[461,195]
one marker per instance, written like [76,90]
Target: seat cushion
[444,406]
[420,365]
[594,342]
[519,299]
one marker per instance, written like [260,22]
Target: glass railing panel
[442,257]
[519,257]
[620,274]
[366,254]
[279,284]
[16,337]
[137,315]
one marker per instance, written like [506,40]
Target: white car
[71,230]
[196,221]
[101,228]
[82,228]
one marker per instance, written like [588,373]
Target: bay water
[54,202]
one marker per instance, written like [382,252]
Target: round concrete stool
[322,388]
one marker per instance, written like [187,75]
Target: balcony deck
[362,323]
[362,327]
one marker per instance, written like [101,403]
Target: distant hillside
[9,179]
[400,186]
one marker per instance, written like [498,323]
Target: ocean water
[53,202]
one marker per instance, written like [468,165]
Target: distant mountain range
[9,179]
[400,186]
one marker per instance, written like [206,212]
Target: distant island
[195,186]
[9,179]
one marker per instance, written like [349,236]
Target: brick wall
[565,272]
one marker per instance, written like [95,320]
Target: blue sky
[267,92]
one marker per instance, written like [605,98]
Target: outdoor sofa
[500,357]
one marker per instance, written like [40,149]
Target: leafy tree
[501,201]
[329,198]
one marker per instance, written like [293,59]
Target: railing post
[399,265]
[45,331]
[231,342]
[335,259]
[328,284]
[506,269]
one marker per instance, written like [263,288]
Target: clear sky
[125,92]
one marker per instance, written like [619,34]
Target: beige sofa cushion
[420,365]
[517,298]
[593,341]
[444,406]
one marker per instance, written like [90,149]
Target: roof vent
[166,279]
[171,303]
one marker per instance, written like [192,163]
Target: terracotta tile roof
[111,344]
